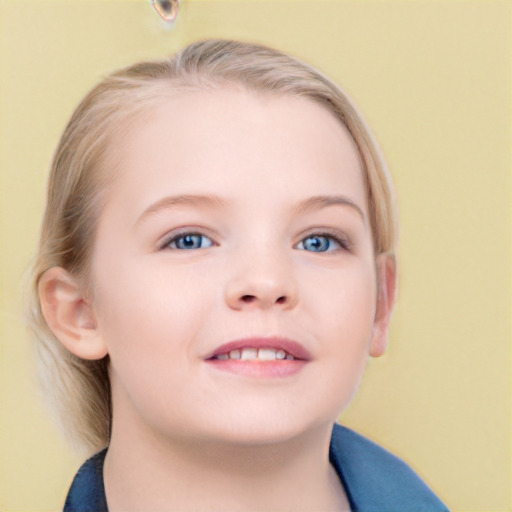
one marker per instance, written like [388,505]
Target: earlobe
[386,284]
[69,315]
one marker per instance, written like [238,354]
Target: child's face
[235,217]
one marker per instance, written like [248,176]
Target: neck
[146,472]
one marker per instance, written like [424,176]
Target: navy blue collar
[374,479]
[87,492]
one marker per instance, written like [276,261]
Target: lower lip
[262,369]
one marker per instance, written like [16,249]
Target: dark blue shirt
[374,479]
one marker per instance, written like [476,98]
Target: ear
[69,315]
[386,284]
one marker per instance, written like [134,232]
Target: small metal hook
[166,9]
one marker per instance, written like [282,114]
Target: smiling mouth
[255,354]
[260,349]
[260,357]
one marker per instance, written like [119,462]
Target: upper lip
[292,347]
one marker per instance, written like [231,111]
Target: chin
[266,428]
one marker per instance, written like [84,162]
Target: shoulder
[375,479]
[87,492]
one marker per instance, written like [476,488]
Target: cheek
[347,308]
[147,316]
[344,299]
[149,320]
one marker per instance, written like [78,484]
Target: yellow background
[433,78]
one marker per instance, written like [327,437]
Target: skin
[187,436]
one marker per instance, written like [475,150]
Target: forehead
[236,142]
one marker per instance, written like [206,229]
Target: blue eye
[189,241]
[319,243]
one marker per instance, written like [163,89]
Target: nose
[261,284]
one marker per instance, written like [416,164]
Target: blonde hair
[78,389]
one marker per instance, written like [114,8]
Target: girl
[217,261]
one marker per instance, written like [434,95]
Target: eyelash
[341,241]
[176,237]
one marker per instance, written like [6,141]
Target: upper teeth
[262,354]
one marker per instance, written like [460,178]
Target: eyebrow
[318,202]
[211,202]
[198,201]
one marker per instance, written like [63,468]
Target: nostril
[249,299]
